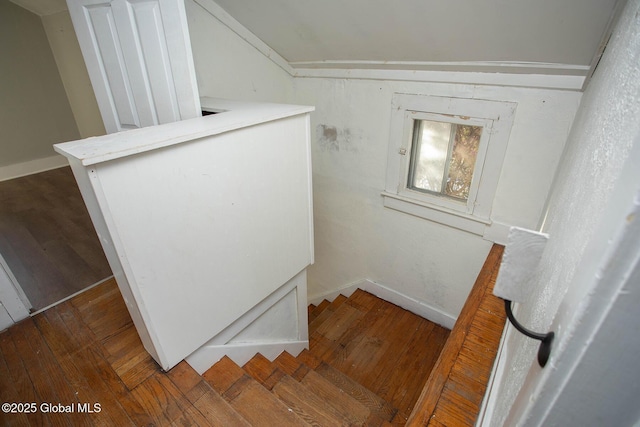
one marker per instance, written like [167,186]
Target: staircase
[367,365]
[370,363]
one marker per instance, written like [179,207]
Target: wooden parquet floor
[47,238]
[367,365]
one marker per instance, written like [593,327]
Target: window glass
[443,156]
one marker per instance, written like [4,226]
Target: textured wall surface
[356,237]
[598,146]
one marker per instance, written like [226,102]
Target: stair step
[338,399]
[326,305]
[259,406]
[319,309]
[363,366]
[308,405]
[260,368]
[223,374]
[204,398]
[366,397]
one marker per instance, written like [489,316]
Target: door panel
[139,59]
[108,72]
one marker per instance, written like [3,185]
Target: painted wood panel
[199,232]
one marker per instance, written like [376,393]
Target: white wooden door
[139,59]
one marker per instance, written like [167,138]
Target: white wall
[73,72]
[587,209]
[355,237]
[34,110]
[229,67]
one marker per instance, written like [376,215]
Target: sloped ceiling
[558,36]
[566,32]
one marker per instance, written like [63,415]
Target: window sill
[451,218]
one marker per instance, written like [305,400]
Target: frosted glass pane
[430,156]
[463,160]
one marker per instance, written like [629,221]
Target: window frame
[496,118]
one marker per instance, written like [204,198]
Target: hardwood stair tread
[259,406]
[335,397]
[308,405]
[319,309]
[203,396]
[366,397]
[324,311]
[223,374]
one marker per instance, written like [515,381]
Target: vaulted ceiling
[564,35]
[566,32]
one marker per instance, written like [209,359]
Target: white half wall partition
[207,225]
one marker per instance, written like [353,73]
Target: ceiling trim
[221,15]
[538,81]
[470,66]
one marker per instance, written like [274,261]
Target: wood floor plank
[364,396]
[218,411]
[53,330]
[409,362]
[387,354]
[203,397]
[105,384]
[260,368]
[74,323]
[335,397]
[307,405]
[261,408]
[223,375]
[341,320]
[128,357]
[66,393]
[19,376]
[336,352]
[287,363]
[9,394]
[319,309]
[156,402]
[422,368]
[49,389]
[186,379]
[103,310]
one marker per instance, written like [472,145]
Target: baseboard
[241,353]
[420,308]
[34,166]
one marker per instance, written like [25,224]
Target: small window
[445,156]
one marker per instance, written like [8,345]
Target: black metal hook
[546,339]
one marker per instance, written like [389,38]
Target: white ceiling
[443,34]
[512,31]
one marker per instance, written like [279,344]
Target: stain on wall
[331,138]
